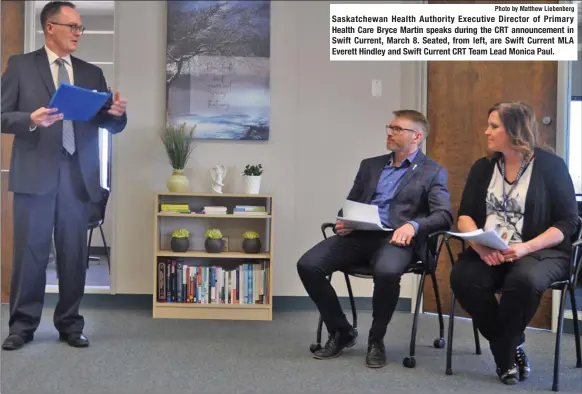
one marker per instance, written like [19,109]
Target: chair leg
[449,370]
[105,246]
[477,341]
[317,345]
[555,384]
[410,361]
[439,343]
[89,247]
[576,327]
[352,303]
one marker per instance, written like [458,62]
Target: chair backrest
[98,209]
[576,263]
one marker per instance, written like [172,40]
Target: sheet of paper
[360,216]
[488,238]
[76,103]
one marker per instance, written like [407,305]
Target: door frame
[563,99]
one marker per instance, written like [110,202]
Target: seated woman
[526,194]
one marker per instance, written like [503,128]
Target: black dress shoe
[509,377]
[75,339]
[376,357]
[523,365]
[16,341]
[336,343]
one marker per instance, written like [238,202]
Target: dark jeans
[388,262]
[522,282]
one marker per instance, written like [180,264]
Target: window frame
[575,142]
[105,158]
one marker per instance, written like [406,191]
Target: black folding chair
[422,268]
[96,220]
[568,285]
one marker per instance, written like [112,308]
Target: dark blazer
[550,199]
[422,195]
[27,85]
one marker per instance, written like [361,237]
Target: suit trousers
[388,263]
[522,283]
[64,211]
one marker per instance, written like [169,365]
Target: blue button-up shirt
[387,186]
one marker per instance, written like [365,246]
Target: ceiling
[85,7]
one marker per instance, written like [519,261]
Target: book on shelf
[175,208]
[251,210]
[178,282]
[214,210]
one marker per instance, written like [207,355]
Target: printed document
[488,238]
[360,216]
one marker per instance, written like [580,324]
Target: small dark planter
[180,245]
[213,245]
[252,245]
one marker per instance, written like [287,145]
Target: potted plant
[251,242]
[252,178]
[180,240]
[178,143]
[214,242]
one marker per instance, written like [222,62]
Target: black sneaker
[376,356]
[509,377]
[336,343]
[522,364]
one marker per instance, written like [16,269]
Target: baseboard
[280,303]
[304,303]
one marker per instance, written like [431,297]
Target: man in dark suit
[54,174]
[411,193]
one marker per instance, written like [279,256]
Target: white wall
[577,76]
[324,121]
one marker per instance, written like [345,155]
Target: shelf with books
[197,284]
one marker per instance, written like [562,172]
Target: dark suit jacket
[422,195]
[27,85]
[550,199]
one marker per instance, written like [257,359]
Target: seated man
[411,193]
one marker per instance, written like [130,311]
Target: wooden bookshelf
[229,267]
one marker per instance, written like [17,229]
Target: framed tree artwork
[218,68]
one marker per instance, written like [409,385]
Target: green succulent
[250,235]
[213,233]
[180,233]
[253,170]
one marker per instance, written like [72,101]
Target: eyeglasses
[397,129]
[74,28]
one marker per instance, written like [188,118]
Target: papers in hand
[76,103]
[488,238]
[360,216]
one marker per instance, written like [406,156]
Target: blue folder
[76,103]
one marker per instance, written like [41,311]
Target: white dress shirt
[52,57]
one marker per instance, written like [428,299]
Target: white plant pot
[252,184]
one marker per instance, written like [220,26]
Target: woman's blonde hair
[520,123]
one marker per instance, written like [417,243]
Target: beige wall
[324,121]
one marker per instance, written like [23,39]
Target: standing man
[54,175]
